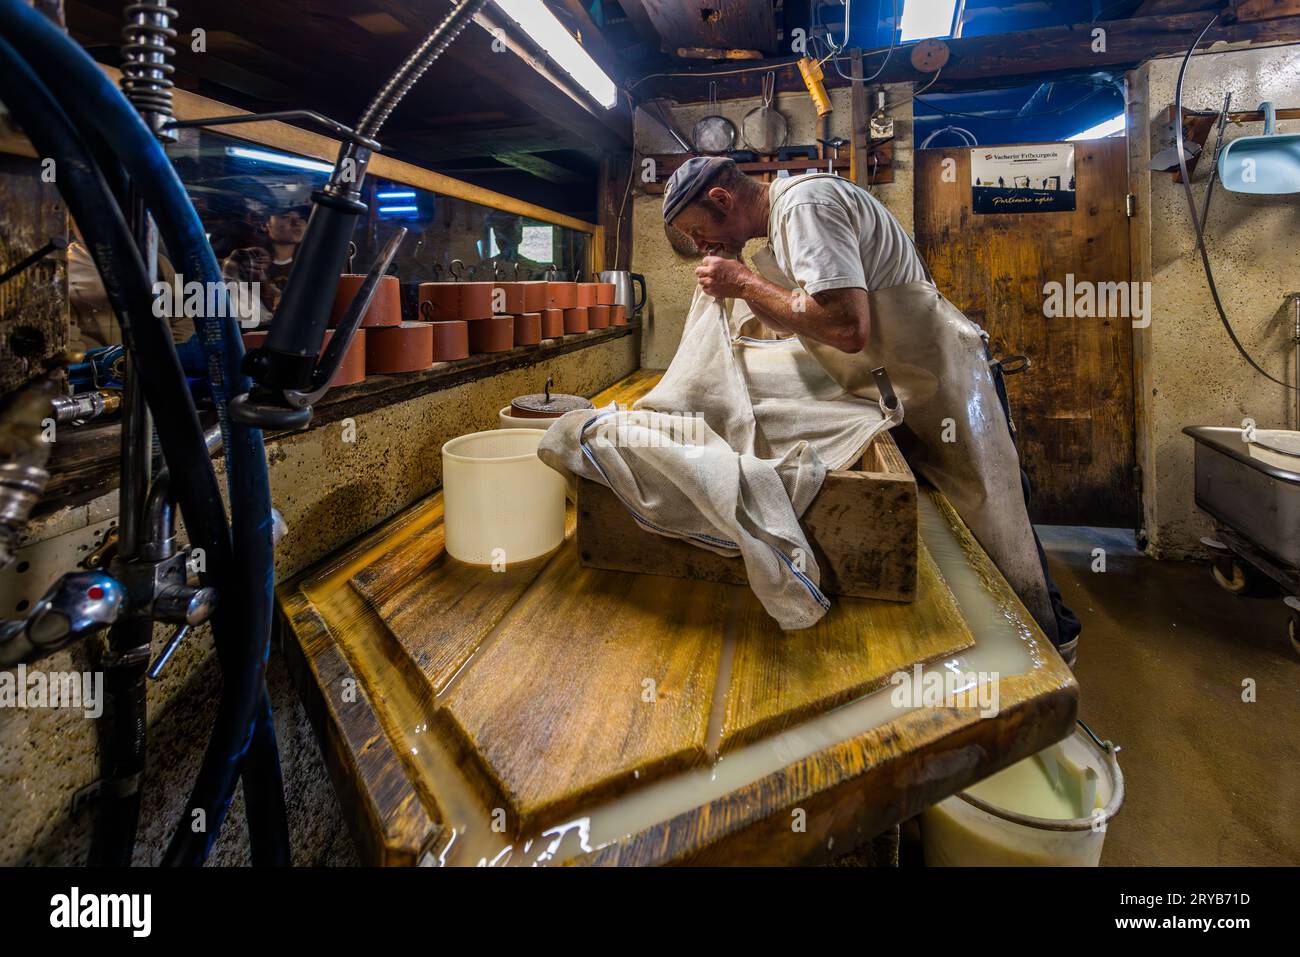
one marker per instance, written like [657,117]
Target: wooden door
[1074,406]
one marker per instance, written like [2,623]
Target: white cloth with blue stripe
[728,451]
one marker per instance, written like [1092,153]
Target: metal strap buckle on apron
[1007,365]
[1013,365]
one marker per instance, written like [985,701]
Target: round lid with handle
[548,404]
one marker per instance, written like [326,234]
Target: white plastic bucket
[501,503]
[965,831]
[508,421]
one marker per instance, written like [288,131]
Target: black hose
[122,270]
[123,738]
[243,621]
[1197,225]
[268,820]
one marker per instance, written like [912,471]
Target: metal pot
[623,282]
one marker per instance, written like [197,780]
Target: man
[269,263]
[842,275]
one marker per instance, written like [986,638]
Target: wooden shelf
[84,462]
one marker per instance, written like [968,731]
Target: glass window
[254,202]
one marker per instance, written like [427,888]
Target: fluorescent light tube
[1105,128]
[547,32]
[923,19]
[279,159]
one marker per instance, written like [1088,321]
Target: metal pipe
[23,456]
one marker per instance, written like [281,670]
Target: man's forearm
[794,311]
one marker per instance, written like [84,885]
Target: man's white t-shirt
[827,233]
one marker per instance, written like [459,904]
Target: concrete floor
[1211,779]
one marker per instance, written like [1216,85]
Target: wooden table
[553,713]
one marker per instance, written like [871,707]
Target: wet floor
[1212,779]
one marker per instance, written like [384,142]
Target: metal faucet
[78,604]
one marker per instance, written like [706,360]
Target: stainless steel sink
[1249,489]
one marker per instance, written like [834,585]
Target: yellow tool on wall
[813,79]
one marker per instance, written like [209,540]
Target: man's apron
[939,364]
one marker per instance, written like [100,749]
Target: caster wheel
[1293,632]
[1233,576]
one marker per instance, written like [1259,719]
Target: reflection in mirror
[254,202]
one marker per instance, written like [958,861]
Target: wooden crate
[862,528]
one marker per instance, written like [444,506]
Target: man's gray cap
[687,181]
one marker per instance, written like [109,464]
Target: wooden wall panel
[1074,407]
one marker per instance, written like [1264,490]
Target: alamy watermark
[76,690]
[946,688]
[193,299]
[683,431]
[1098,300]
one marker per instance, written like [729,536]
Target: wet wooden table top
[556,713]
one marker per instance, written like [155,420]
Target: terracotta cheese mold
[519,297]
[605,294]
[587,292]
[598,317]
[552,323]
[494,334]
[618,314]
[575,320]
[449,301]
[385,309]
[404,348]
[561,295]
[450,340]
[528,329]
[351,371]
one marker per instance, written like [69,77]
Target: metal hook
[550,381]
[352,254]
[457,267]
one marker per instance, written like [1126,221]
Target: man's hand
[723,278]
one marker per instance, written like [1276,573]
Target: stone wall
[330,491]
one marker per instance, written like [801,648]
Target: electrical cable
[618,221]
[1007,119]
[1180,145]
[933,80]
[716,73]
[834,55]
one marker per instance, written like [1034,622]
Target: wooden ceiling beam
[1028,54]
[1156,8]
[634,10]
[713,24]
[541,168]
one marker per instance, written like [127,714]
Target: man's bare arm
[837,317]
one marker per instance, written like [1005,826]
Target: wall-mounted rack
[1197,125]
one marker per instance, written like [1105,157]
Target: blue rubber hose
[94,104]
[118,259]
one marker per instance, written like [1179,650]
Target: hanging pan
[714,133]
[764,128]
